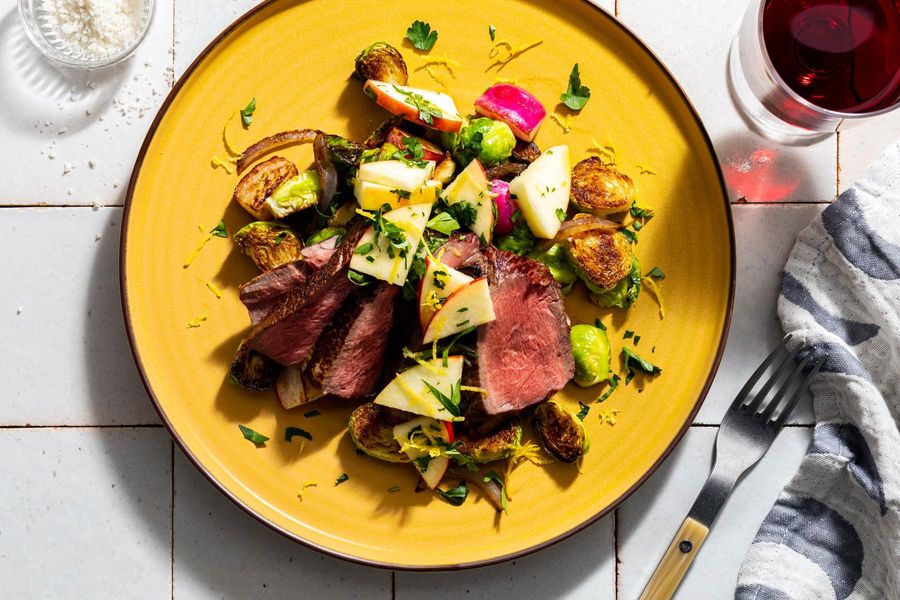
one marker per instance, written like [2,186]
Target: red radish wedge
[416,105]
[506,207]
[432,152]
[469,306]
[438,281]
[515,106]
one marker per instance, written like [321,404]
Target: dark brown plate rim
[348,557]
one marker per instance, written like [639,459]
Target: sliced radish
[506,207]
[515,106]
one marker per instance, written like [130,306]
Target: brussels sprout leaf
[577,95]
[421,35]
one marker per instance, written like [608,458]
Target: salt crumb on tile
[96,205]
[98,237]
[19,310]
[92,163]
[67,168]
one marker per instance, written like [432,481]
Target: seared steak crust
[263,292]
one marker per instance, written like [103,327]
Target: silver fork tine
[748,387]
[792,402]
[767,410]
[754,404]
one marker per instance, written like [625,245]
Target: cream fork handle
[676,561]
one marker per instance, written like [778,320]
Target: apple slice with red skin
[472,186]
[437,466]
[452,282]
[396,99]
[469,306]
[432,152]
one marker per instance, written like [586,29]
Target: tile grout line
[837,161]
[618,561]
[136,426]
[393,585]
[172,521]
[791,425]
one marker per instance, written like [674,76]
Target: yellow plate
[295,58]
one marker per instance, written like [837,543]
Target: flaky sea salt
[95,28]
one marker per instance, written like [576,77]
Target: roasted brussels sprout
[444,170]
[258,184]
[295,194]
[382,62]
[590,348]
[520,241]
[325,234]
[371,428]
[344,153]
[269,244]
[253,370]
[556,260]
[606,263]
[600,188]
[560,432]
[489,141]
[496,446]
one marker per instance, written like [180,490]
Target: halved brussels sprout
[382,62]
[557,262]
[253,370]
[326,234]
[489,141]
[260,182]
[496,446]
[269,244]
[371,428]
[590,348]
[344,153]
[560,432]
[606,263]
[295,194]
[600,188]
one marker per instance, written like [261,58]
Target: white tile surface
[222,552]
[649,519]
[65,358]
[582,566]
[764,236]
[861,145]
[52,129]
[85,513]
[692,37]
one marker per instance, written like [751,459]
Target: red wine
[842,55]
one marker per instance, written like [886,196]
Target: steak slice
[288,333]
[263,292]
[459,249]
[318,255]
[350,352]
[525,355]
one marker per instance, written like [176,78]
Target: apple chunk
[398,138]
[381,258]
[542,191]
[432,109]
[372,196]
[438,282]
[410,390]
[472,186]
[395,174]
[423,432]
[469,306]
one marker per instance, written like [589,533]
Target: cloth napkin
[834,532]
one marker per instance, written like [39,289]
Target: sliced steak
[459,249]
[525,355]
[318,255]
[350,353]
[264,291]
[288,333]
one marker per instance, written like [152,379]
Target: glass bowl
[38,25]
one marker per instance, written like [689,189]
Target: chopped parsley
[585,409]
[577,95]
[469,147]
[463,309]
[413,148]
[632,360]
[358,278]
[422,463]
[463,323]
[341,479]
[631,235]
[290,432]
[393,489]
[370,259]
[463,460]
[655,273]
[451,404]
[219,230]
[440,278]
[637,340]
[454,496]
[405,194]
[641,213]
[492,31]
[465,213]
[364,248]
[312,413]
[515,216]
[443,223]
[247,113]
[427,110]
[560,214]
[613,384]
[491,476]
[421,35]
[280,237]
[628,333]
[599,324]
[253,436]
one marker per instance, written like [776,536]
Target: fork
[747,431]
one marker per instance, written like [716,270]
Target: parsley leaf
[628,333]
[443,223]
[393,489]
[290,432]
[632,360]
[341,479]
[414,148]
[253,436]
[359,278]
[599,324]
[427,110]
[655,273]
[219,230]
[613,384]
[247,113]
[492,31]
[641,213]
[491,476]
[464,213]
[454,496]
[576,95]
[312,413]
[463,460]
[585,409]
[631,235]
[364,248]
[280,237]
[421,35]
